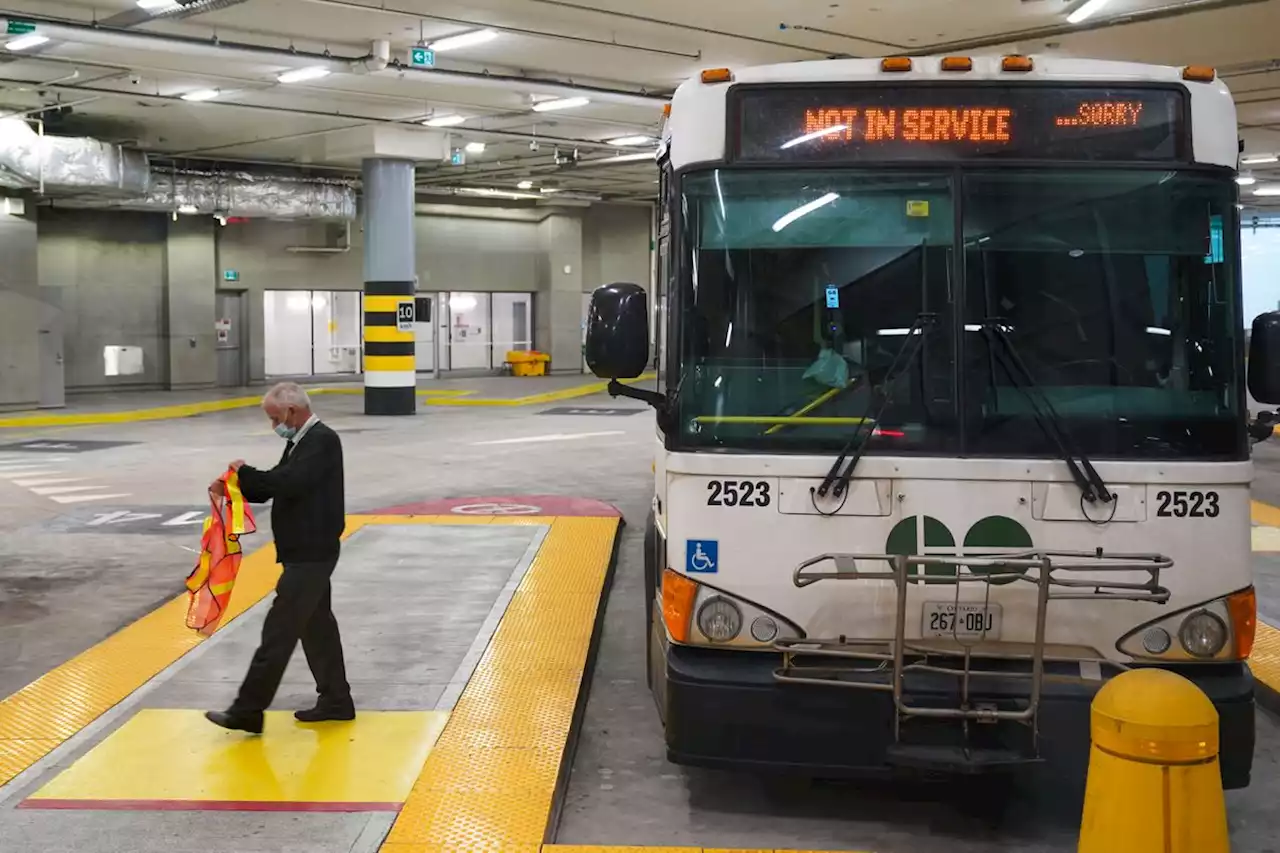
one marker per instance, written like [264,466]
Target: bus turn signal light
[1199,73]
[957,63]
[1243,607]
[717,75]
[895,63]
[1017,63]
[678,595]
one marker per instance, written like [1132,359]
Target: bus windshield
[1118,289]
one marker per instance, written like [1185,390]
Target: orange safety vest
[209,584]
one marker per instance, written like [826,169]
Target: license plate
[963,621]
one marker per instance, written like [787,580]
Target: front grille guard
[1053,578]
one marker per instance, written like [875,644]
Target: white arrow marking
[194,517]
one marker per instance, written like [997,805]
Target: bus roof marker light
[1199,73]
[1088,10]
[957,63]
[717,75]
[895,63]
[804,210]
[1017,62]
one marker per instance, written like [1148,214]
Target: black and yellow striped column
[390,375]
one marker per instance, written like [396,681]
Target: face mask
[285,431]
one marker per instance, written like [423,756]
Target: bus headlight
[696,614]
[719,619]
[1202,634]
[1221,629]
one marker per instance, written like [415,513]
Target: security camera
[533,145]
[135,79]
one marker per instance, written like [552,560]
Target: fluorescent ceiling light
[627,158]
[623,141]
[491,192]
[560,104]
[525,185]
[201,95]
[298,75]
[804,210]
[896,333]
[1156,330]
[1270,190]
[188,208]
[444,121]
[1088,10]
[475,147]
[158,5]
[1260,159]
[1246,180]
[816,134]
[24,42]
[470,39]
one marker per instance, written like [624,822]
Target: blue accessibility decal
[702,556]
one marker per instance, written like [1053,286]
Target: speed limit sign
[404,315]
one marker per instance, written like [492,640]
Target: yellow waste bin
[528,363]
[1154,784]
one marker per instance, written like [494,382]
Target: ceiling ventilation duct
[59,165]
[248,194]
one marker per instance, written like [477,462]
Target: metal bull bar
[1058,575]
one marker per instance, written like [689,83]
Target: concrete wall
[109,271]
[19,313]
[141,279]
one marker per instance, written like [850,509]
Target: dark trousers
[302,610]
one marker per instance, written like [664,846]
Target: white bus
[952,411]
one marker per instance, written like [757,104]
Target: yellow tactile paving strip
[491,779]
[39,717]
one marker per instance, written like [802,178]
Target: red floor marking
[206,806]
[507,505]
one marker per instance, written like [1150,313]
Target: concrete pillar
[390,379]
[190,284]
[19,312]
[560,283]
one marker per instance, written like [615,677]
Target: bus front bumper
[725,709]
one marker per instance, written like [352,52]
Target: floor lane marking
[49,491]
[553,437]
[49,482]
[35,471]
[79,499]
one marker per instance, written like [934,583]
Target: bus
[951,413]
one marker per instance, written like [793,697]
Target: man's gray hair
[288,394]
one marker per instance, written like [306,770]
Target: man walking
[307,520]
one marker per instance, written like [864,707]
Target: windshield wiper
[839,479]
[1091,484]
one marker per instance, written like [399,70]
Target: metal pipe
[1142,16]
[406,13]
[114,37]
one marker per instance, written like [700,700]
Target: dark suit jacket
[308,513]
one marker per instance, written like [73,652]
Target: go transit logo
[927,536]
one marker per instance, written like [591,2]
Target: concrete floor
[622,790]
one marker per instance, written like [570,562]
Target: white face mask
[286,432]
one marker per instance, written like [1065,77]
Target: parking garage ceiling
[127,70]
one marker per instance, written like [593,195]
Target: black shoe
[251,723]
[326,713]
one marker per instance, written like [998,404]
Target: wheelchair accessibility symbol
[702,556]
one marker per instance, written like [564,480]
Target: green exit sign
[230,275]
[18,28]
[422,57]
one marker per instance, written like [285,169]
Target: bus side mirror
[1264,358]
[618,331]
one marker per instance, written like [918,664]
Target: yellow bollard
[1154,784]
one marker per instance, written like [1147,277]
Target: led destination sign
[1037,123]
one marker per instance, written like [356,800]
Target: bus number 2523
[738,493]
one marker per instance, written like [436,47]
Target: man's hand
[218,489]
[236,465]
